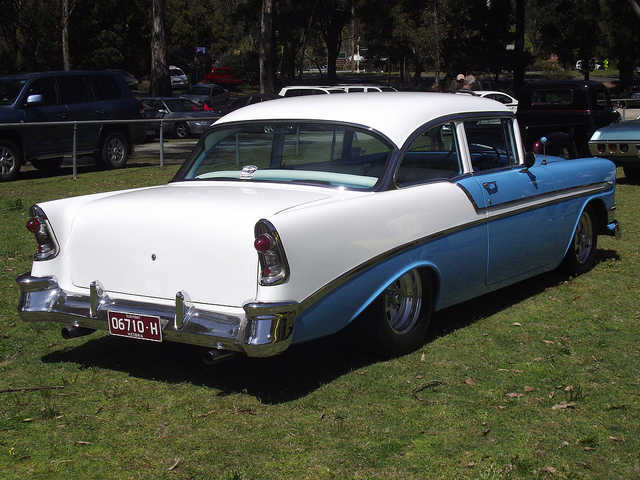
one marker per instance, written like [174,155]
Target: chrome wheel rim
[7,161]
[182,130]
[115,150]
[403,301]
[583,239]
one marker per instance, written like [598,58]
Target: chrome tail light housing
[274,268]
[39,225]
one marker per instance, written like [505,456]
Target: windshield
[331,155]
[10,89]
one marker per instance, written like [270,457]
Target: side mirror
[34,99]
[529,159]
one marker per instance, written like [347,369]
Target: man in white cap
[469,81]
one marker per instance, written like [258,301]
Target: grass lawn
[539,380]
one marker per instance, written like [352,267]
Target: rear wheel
[114,152]
[397,321]
[10,161]
[581,255]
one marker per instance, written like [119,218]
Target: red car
[222,76]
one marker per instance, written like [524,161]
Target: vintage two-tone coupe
[293,218]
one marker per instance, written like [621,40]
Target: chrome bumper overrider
[263,330]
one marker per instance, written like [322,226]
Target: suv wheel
[114,152]
[10,161]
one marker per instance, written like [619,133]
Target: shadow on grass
[295,373]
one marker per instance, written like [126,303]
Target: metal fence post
[75,150]
[161,143]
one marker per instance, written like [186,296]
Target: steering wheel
[493,162]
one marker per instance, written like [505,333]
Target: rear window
[558,98]
[317,154]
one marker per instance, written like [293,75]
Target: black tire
[581,255]
[181,130]
[49,165]
[10,161]
[396,322]
[114,151]
[632,174]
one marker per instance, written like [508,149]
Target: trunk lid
[195,237]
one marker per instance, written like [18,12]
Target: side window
[74,89]
[432,155]
[491,143]
[105,87]
[47,88]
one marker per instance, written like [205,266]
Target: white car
[294,219]
[501,97]
[179,79]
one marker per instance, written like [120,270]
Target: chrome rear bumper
[263,330]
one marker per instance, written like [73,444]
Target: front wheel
[114,152]
[398,319]
[581,256]
[10,161]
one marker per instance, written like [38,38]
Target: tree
[160,83]
[331,19]
[267,49]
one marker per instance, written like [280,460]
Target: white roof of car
[394,114]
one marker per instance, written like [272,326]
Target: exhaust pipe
[211,357]
[73,332]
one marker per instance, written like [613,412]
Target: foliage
[449,36]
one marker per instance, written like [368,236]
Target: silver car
[182,117]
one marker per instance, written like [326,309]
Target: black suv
[567,112]
[66,97]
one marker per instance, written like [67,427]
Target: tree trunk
[160,83]
[267,49]
[66,56]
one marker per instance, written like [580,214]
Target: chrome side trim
[265,329]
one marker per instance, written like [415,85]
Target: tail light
[624,148]
[274,268]
[141,107]
[39,225]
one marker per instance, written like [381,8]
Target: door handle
[491,187]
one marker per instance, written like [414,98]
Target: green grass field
[539,380]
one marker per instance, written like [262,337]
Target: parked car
[179,79]
[566,112]
[297,218]
[207,95]
[362,88]
[223,76]
[619,142]
[130,79]
[243,101]
[501,97]
[304,90]
[185,117]
[66,96]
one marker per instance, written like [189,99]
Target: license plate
[131,325]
